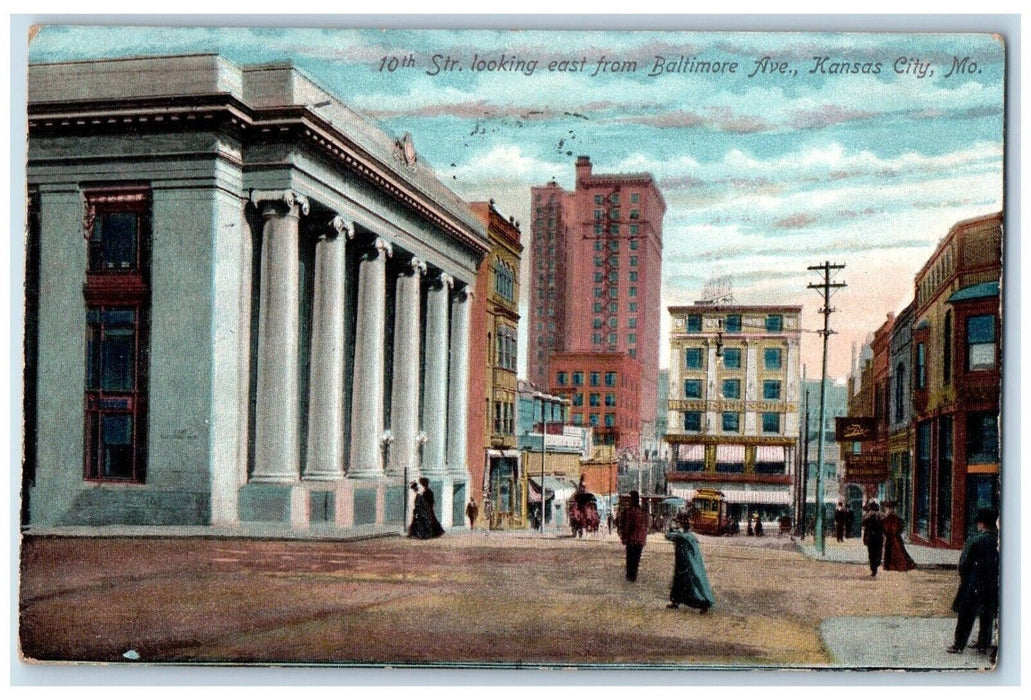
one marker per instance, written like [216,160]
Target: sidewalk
[897,643]
[852,551]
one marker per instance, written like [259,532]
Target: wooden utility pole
[826,286]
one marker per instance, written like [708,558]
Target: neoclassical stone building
[246,303]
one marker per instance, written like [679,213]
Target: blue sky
[762,175]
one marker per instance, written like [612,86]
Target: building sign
[854,429]
[866,468]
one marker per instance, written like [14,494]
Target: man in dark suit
[633,531]
[978,594]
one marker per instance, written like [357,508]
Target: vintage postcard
[513,349]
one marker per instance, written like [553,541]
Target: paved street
[468,597]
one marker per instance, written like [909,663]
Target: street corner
[908,643]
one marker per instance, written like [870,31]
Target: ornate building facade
[734,388]
[254,306]
[493,449]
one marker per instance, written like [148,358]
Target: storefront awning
[776,498]
[555,488]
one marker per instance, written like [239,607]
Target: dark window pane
[118,359]
[117,448]
[732,358]
[693,420]
[732,389]
[981,329]
[771,389]
[113,243]
[771,358]
[774,324]
[734,324]
[692,388]
[694,324]
[693,358]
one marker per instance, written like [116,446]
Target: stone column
[434,404]
[712,392]
[367,389]
[458,395]
[404,404]
[277,440]
[325,459]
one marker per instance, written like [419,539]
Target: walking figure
[633,531]
[896,558]
[840,520]
[978,594]
[471,511]
[690,582]
[873,535]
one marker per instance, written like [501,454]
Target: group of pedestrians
[690,585]
[882,535]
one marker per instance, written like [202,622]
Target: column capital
[276,198]
[464,293]
[340,227]
[380,245]
[443,280]
[416,267]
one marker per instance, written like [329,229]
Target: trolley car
[709,513]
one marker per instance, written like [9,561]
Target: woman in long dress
[420,527]
[690,582]
[436,529]
[896,558]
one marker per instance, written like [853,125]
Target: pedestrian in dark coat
[850,522]
[633,531]
[978,594]
[840,521]
[471,511]
[873,535]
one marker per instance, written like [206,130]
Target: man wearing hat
[978,594]
[873,535]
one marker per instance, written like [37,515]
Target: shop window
[982,438]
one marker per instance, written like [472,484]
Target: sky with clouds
[864,158]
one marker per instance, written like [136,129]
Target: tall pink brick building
[596,273]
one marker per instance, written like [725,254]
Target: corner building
[253,305]
[956,344]
[596,276]
[734,404]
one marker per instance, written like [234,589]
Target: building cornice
[298,122]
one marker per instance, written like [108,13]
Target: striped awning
[769,453]
[691,453]
[730,453]
[781,497]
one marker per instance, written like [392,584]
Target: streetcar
[709,513]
